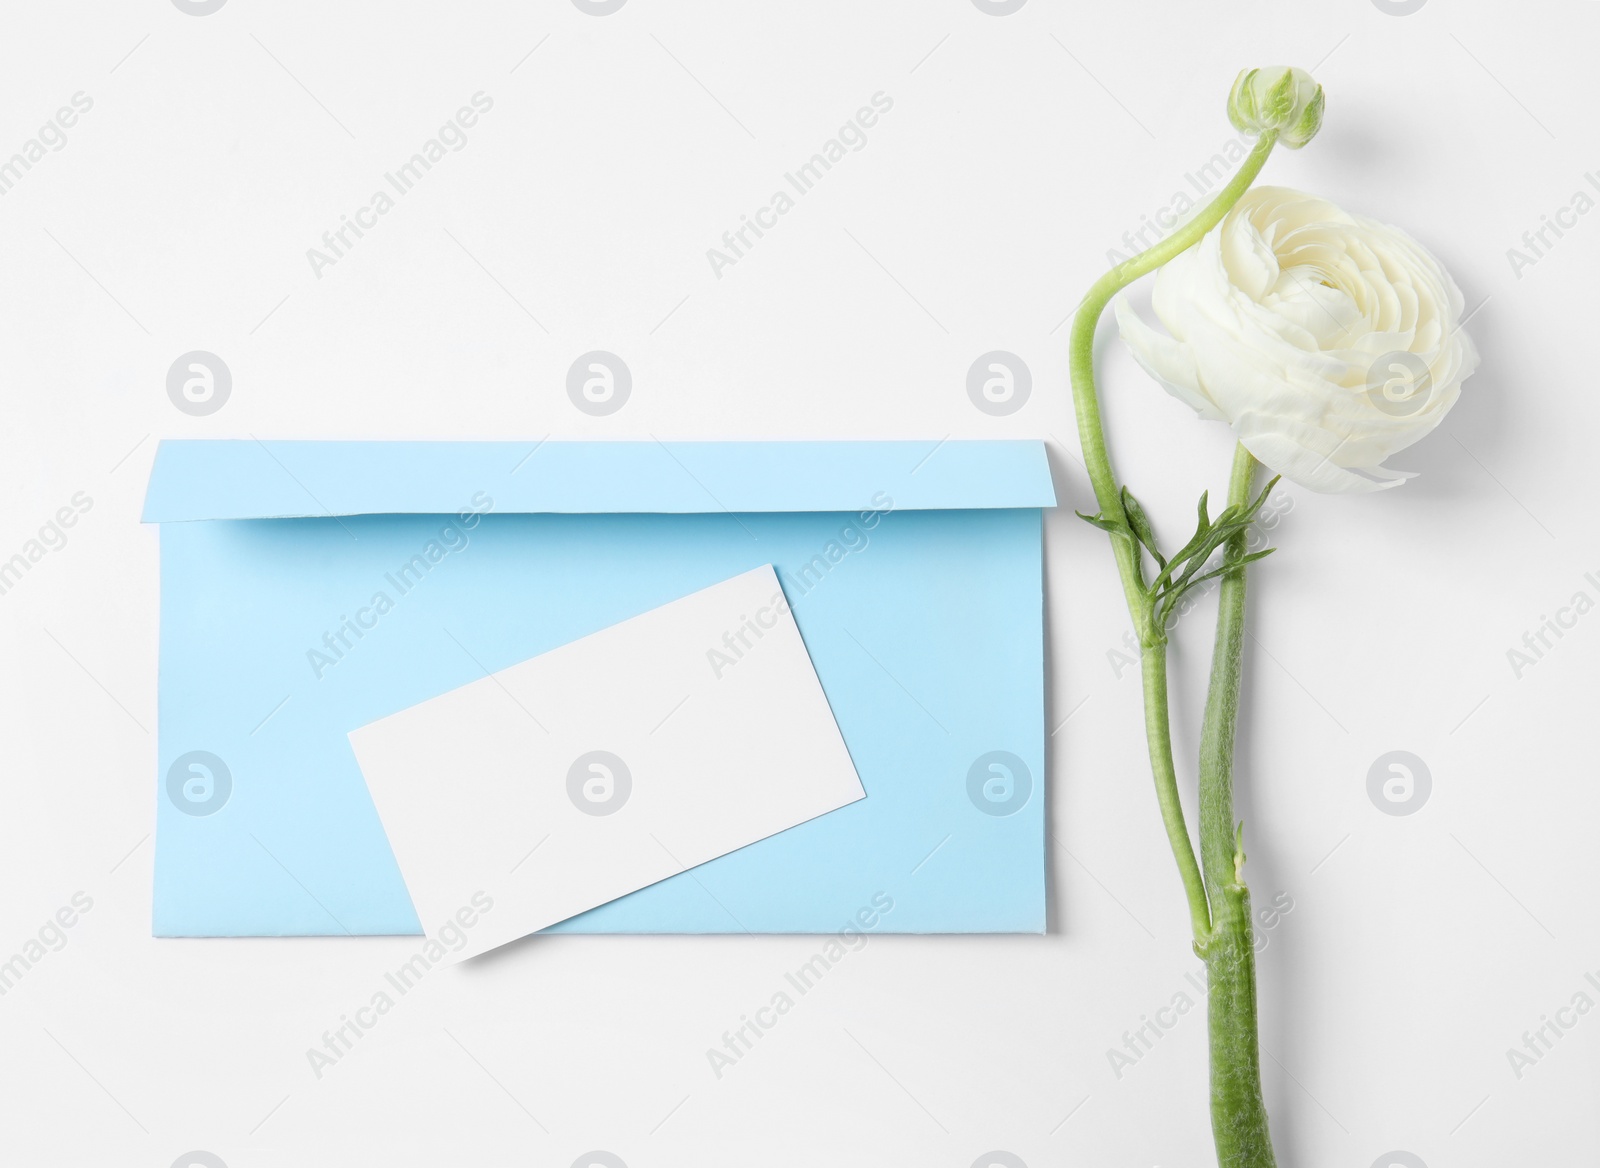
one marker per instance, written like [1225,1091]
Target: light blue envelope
[308,588]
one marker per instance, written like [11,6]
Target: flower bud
[1279,98]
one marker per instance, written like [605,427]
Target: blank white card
[605,765]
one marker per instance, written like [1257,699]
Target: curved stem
[1238,1113]
[1085,398]
[1091,434]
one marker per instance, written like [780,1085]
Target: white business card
[605,765]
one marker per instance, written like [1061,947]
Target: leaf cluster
[1189,566]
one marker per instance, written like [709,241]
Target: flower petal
[1308,456]
[1163,358]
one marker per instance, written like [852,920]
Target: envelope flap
[250,479]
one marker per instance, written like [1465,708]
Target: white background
[1419,948]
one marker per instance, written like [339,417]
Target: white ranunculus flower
[1326,340]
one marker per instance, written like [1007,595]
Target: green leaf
[1220,533]
[1105,524]
[1228,567]
[1202,531]
[1188,565]
[1139,522]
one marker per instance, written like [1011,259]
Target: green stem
[1238,1113]
[1217,824]
[1091,434]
